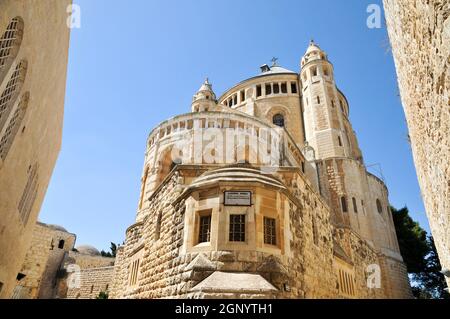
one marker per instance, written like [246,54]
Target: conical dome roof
[206,86]
[312,47]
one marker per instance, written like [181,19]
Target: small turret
[204,99]
[314,52]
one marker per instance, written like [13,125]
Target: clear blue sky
[134,64]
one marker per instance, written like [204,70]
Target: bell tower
[204,99]
[327,128]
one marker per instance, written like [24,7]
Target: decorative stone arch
[10,42]
[278,109]
[165,164]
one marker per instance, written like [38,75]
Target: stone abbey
[261,193]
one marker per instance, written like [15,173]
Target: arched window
[344,204]
[158,226]
[379,207]
[278,120]
[61,244]
[8,136]
[9,95]
[10,45]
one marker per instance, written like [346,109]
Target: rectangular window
[1,286]
[276,88]
[355,207]
[204,233]
[283,87]
[339,141]
[270,237]
[237,228]
[258,91]
[318,100]
[294,88]
[242,96]
[268,89]
[134,271]
[314,71]
[235,100]
[303,167]
[344,204]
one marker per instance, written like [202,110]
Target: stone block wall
[43,260]
[93,282]
[419,33]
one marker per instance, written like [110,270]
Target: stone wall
[93,282]
[304,268]
[419,33]
[43,260]
[37,140]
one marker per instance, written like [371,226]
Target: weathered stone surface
[419,33]
[36,141]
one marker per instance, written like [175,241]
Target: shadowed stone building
[261,193]
[34,41]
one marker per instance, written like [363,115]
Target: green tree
[420,256]
[431,282]
[112,253]
[412,240]
[102,295]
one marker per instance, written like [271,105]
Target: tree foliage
[111,253]
[420,256]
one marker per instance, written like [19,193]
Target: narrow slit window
[355,207]
[344,204]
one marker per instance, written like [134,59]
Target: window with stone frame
[315,231]
[204,229]
[14,123]
[158,226]
[379,207]
[276,88]
[134,271]
[29,194]
[268,89]
[355,207]
[270,232]
[283,87]
[344,204]
[11,92]
[346,280]
[293,88]
[258,91]
[237,228]
[10,44]
[278,120]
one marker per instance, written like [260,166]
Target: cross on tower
[274,61]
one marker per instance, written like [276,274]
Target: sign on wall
[237,198]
